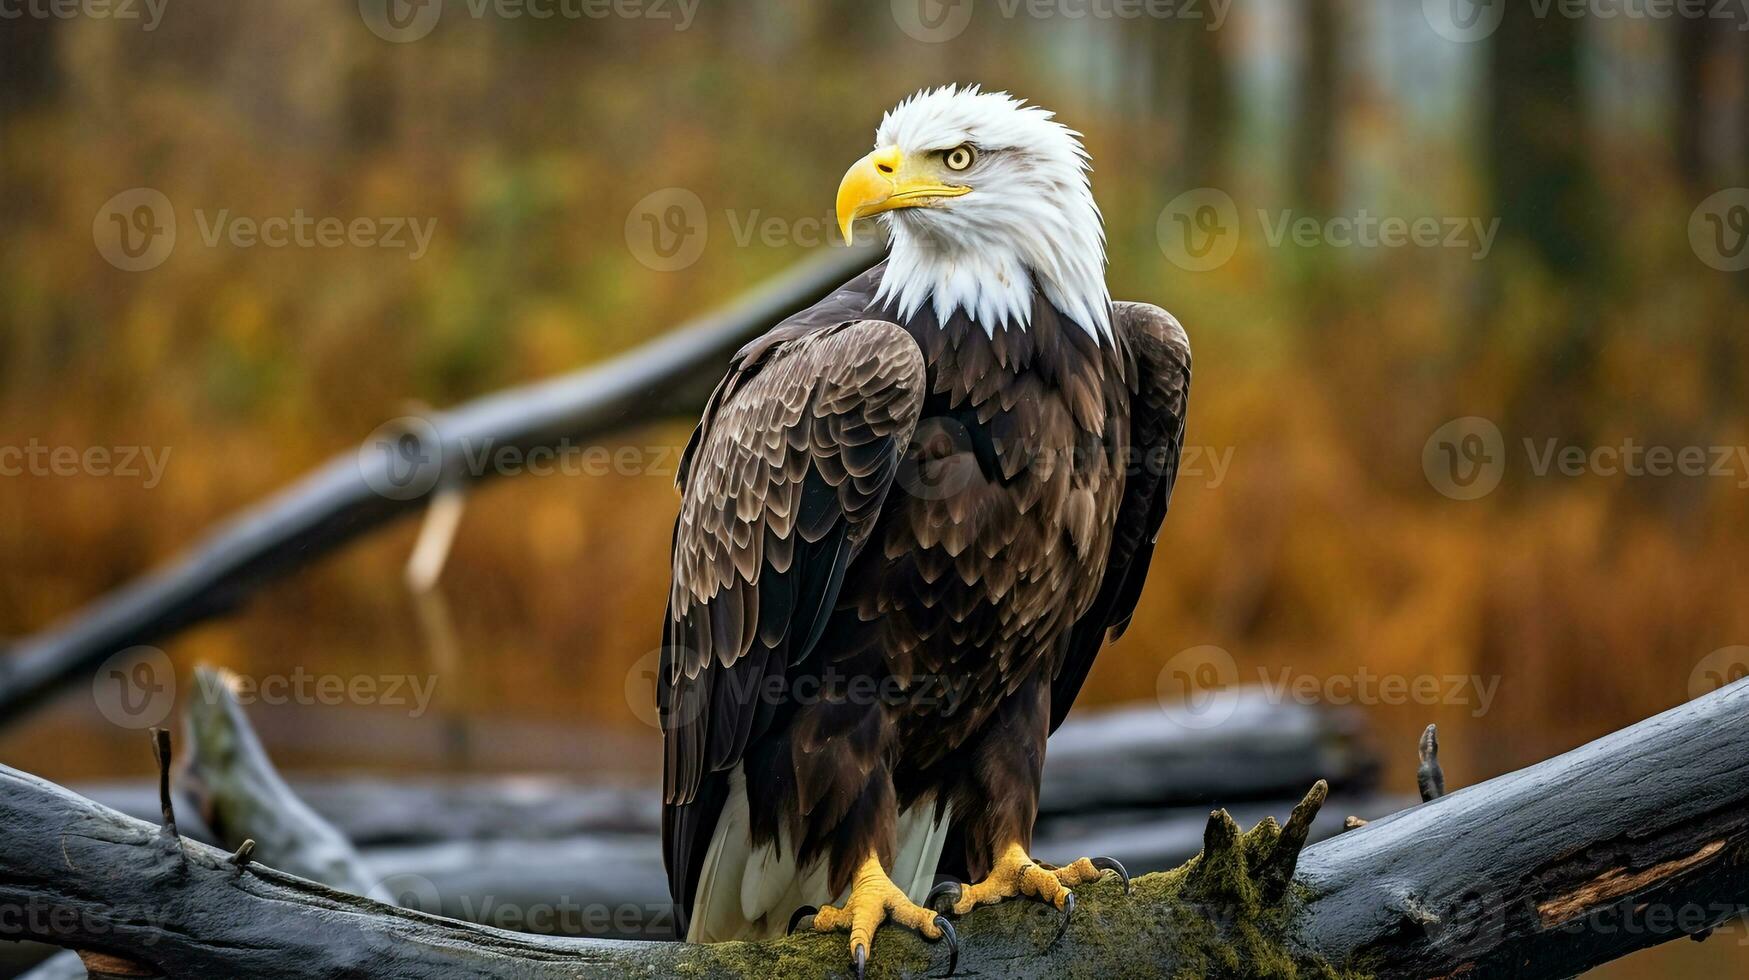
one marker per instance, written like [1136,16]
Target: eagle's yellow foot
[1017,875]
[874,899]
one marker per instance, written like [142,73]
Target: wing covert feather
[780,488]
[1157,410]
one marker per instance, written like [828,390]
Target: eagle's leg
[873,900]
[1004,770]
[1016,875]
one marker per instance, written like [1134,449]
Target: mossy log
[1545,872]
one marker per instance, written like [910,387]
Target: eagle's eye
[959,158]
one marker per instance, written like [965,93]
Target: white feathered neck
[1030,217]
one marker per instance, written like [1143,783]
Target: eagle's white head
[983,196]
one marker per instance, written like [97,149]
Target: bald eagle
[910,517]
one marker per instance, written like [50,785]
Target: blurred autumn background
[1312,537]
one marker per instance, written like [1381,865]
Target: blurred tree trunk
[1538,162]
[28,74]
[1313,153]
[1547,202]
[1313,165]
[1208,117]
[1694,37]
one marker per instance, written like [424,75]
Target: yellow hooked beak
[886,181]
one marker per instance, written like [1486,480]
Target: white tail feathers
[748,893]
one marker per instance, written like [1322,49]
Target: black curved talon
[1068,913]
[859,957]
[797,916]
[953,942]
[948,887]
[1113,864]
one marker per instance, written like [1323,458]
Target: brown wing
[1157,407]
[780,488]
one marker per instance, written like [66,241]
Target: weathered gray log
[669,376]
[1259,747]
[1523,875]
[244,804]
[1632,840]
[89,878]
[241,797]
[511,851]
[1130,758]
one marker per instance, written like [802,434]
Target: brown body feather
[901,543]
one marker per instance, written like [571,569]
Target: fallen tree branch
[1518,876]
[1630,841]
[669,376]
